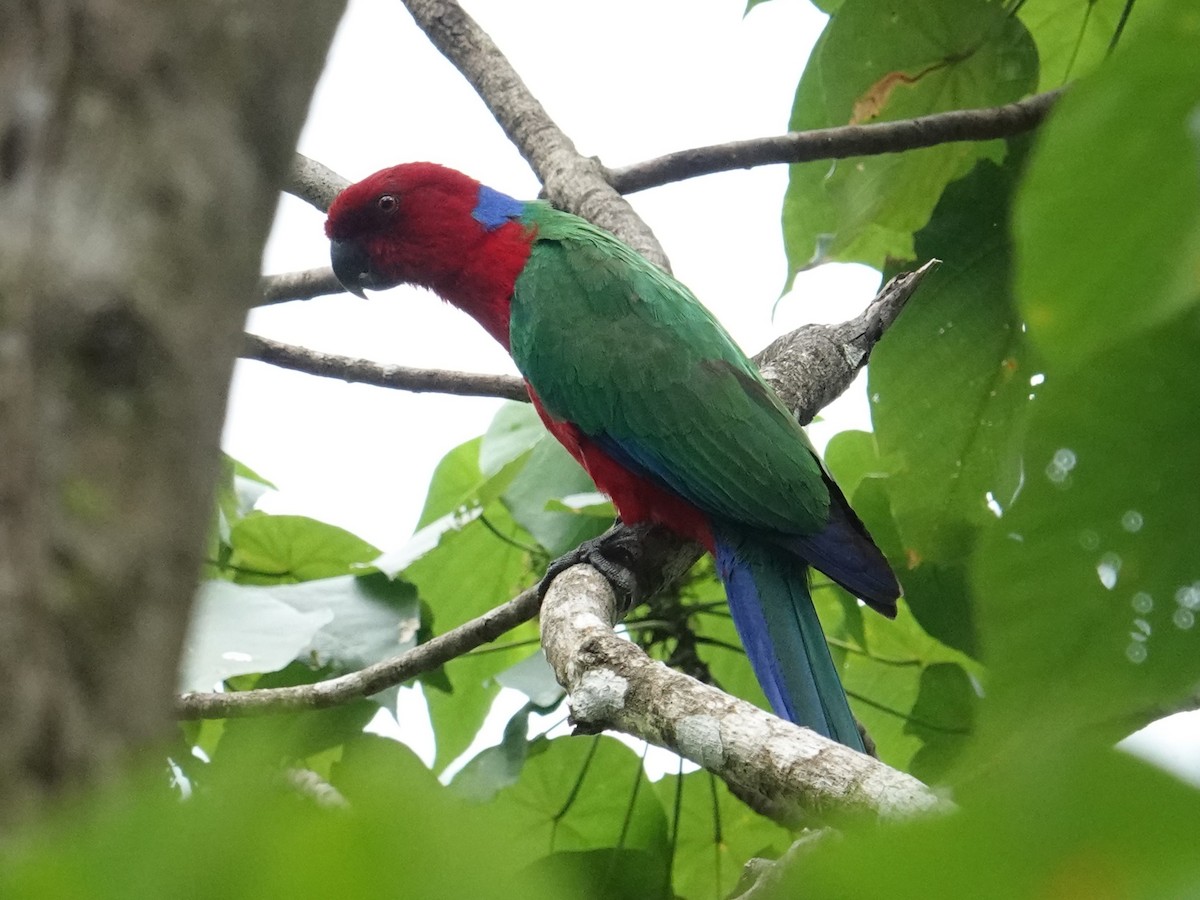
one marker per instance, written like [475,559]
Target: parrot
[647,391]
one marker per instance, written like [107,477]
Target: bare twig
[364,371]
[364,682]
[838,143]
[305,285]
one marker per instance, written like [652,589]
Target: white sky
[627,80]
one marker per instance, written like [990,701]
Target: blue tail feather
[775,619]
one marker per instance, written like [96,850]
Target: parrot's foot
[612,554]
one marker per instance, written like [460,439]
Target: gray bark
[142,146]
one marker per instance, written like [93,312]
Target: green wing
[623,351]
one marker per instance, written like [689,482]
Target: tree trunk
[142,146]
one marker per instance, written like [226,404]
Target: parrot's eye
[387,203]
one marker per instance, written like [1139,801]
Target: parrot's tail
[768,595]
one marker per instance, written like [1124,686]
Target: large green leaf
[469,557]
[583,793]
[1094,825]
[951,381]
[237,631]
[1072,36]
[552,474]
[346,622]
[247,836]
[906,688]
[1090,584]
[1107,224]
[895,60]
[291,549]
[471,570]
[547,476]
[310,738]
[499,766]
[459,483]
[513,432]
[714,835]
[458,713]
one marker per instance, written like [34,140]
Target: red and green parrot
[646,390]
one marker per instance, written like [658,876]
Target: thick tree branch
[838,143]
[364,371]
[368,681]
[572,181]
[781,770]
[314,182]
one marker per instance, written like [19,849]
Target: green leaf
[1111,247]
[607,874]
[472,569]
[249,835]
[374,618]
[459,483]
[851,456]
[496,767]
[715,834]
[545,474]
[291,549]
[470,572]
[344,622]
[1095,825]
[884,674]
[1090,584]
[583,793]
[457,714]
[918,57]
[951,381]
[513,432]
[1072,36]
[943,718]
[301,738]
[237,631]
[534,678]
[552,474]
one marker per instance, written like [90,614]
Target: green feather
[618,347]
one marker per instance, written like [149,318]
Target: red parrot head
[406,224]
[425,224]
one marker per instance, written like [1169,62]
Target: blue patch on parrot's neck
[494,209]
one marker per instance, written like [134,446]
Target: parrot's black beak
[352,266]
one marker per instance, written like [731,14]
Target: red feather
[431,239]
[637,499]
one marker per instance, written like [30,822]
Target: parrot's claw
[612,555]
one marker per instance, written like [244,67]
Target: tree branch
[781,770]
[288,286]
[572,181]
[810,367]
[364,371]
[314,182]
[365,682]
[837,143]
